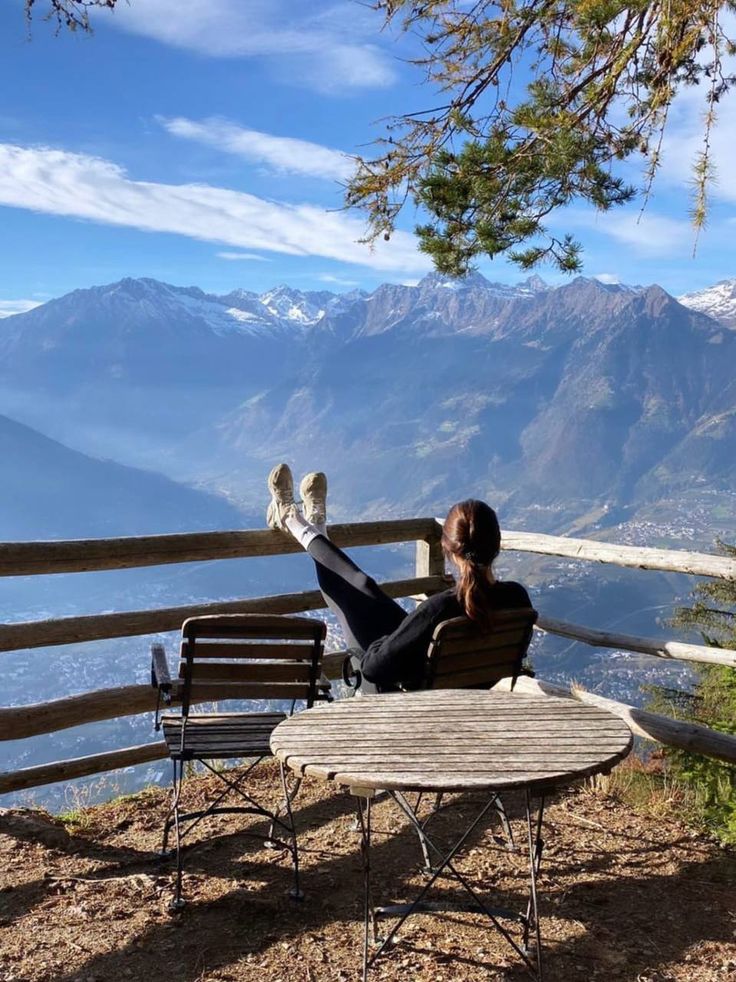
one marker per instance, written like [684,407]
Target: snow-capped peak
[534,284]
[440,281]
[237,313]
[718,301]
[294,305]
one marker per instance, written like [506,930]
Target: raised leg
[363,610]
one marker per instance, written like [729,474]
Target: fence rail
[66,770]
[20,722]
[90,555]
[35,558]
[637,557]
[129,623]
[677,650]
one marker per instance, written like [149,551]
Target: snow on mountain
[153,300]
[476,281]
[534,284]
[292,305]
[718,301]
[220,318]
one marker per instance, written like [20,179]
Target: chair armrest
[324,688]
[160,675]
[332,664]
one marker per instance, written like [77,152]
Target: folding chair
[235,656]
[461,656]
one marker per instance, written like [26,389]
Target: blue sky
[203,141]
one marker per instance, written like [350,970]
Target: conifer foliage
[72,14]
[712,702]
[537,102]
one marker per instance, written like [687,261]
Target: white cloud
[79,186]
[647,235]
[611,279]
[337,280]
[283,153]
[10,307]
[328,50]
[244,256]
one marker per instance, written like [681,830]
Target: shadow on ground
[622,897]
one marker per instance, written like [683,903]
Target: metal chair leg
[296,893]
[177,903]
[169,821]
[506,825]
[270,842]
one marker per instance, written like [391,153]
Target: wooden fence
[36,558]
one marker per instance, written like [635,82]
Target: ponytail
[472,537]
[473,592]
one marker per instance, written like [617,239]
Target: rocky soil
[623,897]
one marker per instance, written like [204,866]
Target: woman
[393,644]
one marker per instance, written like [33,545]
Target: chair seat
[220,735]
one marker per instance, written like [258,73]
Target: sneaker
[281,486]
[313,491]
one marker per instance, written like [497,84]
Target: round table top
[451,740]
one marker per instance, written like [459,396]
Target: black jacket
[399,659]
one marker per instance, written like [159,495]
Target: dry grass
[650,789]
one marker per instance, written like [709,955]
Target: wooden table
[452,740]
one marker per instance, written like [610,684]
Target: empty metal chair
[236,656]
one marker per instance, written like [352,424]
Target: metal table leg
[535,845]
[529,921]
[369,914]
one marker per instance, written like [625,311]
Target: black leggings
[364,611]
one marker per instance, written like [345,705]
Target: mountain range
[565,398]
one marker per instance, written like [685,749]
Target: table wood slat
[449,739]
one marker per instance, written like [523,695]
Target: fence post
[430,560]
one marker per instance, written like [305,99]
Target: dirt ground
[622,897]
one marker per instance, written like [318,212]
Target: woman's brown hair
[472,536]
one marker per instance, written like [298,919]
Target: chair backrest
[461,656]
[250,656]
